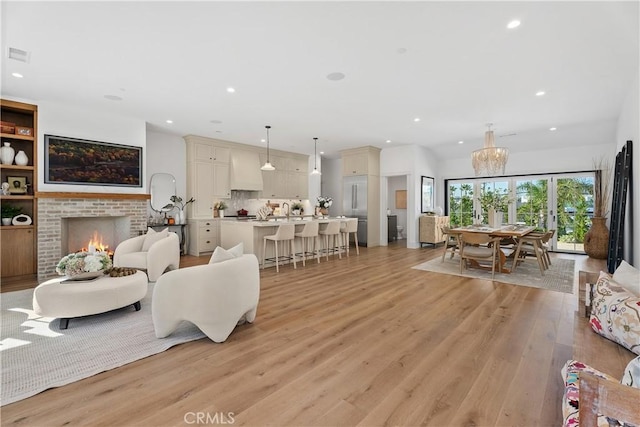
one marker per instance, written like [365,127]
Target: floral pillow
[571,398]
[615,313]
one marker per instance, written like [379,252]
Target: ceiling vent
[18,54]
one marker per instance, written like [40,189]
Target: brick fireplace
[54,214]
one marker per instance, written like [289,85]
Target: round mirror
[163,186]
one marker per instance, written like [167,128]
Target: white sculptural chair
[214,297]
[155,258]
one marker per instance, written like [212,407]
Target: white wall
[167,154]
[331,184]
[629,130]
[63,120]
[411,161]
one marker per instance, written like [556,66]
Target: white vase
[6,221]
[21,158]
[221,213]
[180,217]
[495,218]
[6,154]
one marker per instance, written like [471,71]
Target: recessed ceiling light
[460,142]
[169,121]
[321,152]
[388,141]
[335,76]
[513,24]
[113,97]
[263,140]
[402,50]
[540,93]
[216,122]
[417,119]
[17,75]
[552,129]
[230,90]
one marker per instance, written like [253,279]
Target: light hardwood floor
[364,340]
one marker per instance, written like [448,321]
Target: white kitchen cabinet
[201,189]
[361,161]
[221,187]
[204,236]
[289,180]
[208,166]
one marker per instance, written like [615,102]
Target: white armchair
[214,297]
[162,254]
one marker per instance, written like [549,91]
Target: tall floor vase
[596,241]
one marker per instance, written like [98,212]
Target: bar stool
[286,232]
[347,227]
[308,233]
[332,229]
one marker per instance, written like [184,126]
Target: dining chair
[530,244]
[479,247]
[451,241]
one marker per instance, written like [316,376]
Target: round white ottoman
[64,300]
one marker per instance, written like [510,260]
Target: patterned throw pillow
[615,313]
[571,398]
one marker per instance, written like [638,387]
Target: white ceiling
[454,65]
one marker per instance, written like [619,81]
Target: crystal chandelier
[490,159]
[315,158]
[268,166]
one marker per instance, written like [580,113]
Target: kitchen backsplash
[249,201]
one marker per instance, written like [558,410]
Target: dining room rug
[559,277]
[35,354]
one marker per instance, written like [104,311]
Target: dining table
[506,231]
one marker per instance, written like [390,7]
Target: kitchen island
[251,233]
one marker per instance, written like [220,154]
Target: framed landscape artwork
[427,194]
[78,161]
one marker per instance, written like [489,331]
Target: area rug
[559,277]
[36,354]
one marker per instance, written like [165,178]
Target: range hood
[245,171]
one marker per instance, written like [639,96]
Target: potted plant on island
[9,211]
[297,208]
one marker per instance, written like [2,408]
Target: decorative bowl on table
[83,265]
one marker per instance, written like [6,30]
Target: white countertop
[279,221]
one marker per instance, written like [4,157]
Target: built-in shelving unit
[18,242]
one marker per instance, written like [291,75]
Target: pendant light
[490,159]
[315,158]
[268,166]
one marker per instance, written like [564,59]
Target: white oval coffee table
[66,299]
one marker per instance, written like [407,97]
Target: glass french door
[573,203]
[563,202]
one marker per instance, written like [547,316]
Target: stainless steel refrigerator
[355,203]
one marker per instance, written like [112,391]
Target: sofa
[606,348]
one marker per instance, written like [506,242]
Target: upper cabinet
[361,161]
[289,180]
[207,174]
[20,181]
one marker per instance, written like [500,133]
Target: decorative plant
[83,262]
[296,206]
[9,210]
[176,201]
[220,206]
[324,202]
[497,200]
[601,187]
